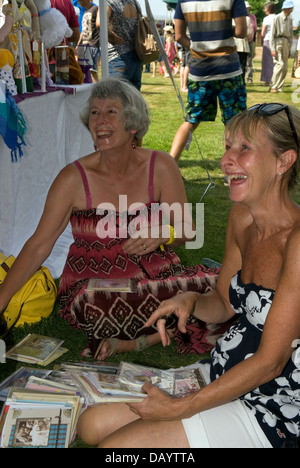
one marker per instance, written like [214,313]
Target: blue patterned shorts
[202,104]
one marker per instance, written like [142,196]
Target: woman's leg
[124,346]
[148,434]
[114,425]
[99,421]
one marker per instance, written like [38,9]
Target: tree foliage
[257,8]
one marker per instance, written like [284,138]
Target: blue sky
[296,12]
[159,9]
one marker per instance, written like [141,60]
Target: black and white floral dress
[276,405]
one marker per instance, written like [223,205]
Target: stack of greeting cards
[37,349]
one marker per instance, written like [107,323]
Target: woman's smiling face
[106,124]
[250,166]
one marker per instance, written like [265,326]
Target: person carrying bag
[145,45]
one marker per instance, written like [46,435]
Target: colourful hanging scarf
[12,126]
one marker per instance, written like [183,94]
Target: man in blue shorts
[215,70]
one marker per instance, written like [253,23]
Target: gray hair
[135,113]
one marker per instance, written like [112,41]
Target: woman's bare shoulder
[165,161]
[293,243]
[66,182]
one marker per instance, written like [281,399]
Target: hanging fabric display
[12,126]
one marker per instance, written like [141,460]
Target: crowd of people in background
[275,36]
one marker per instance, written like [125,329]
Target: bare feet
[114,346]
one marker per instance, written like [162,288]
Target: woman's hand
[181,305]
[156,406]
[144,243]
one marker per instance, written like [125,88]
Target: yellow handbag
[33,301]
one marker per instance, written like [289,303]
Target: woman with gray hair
[135,113]
[118,228]
[113,199]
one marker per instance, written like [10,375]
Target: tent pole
[103,38]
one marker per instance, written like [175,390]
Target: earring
[280,173]
[96,148]
[133,145]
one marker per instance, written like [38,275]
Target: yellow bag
[33,301]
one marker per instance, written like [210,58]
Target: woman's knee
[87,427]
[99,421]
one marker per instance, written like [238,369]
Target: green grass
[167,116]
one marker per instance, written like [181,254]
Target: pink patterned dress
[160,275]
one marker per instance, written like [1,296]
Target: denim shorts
[203,96]
[127,66]
[96,55]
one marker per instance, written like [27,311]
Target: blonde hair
[277,130]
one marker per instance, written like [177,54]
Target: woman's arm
[281,330]
[263,31]
[168,45]
[170,193]
[113,38]
[214,306]
[56,215]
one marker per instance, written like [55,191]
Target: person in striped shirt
[215,71]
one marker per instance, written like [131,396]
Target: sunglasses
[274,108]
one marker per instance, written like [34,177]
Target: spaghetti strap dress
[159,274]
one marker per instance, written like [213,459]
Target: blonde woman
[252,395]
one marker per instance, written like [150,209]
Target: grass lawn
[198,168]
